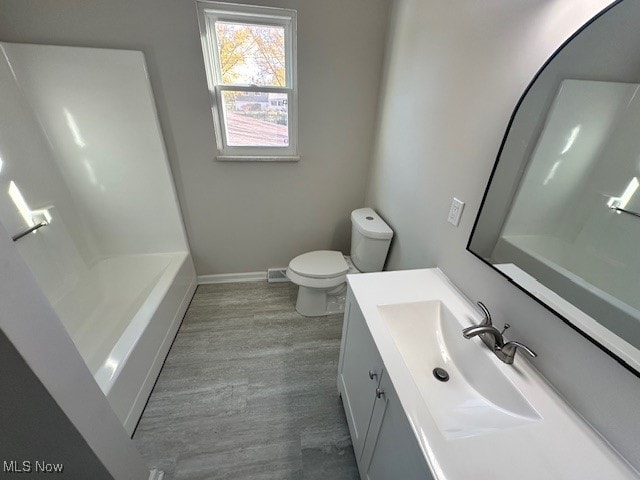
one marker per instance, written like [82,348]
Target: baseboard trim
[232,277]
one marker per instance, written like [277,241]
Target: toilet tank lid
[369,224]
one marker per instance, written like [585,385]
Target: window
[249,55]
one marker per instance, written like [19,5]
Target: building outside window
[250,60]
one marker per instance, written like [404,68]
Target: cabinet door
[391,450]
[360,369]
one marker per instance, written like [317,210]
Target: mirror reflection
[561,215]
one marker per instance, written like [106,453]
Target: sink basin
[478,398]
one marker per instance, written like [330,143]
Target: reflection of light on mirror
[112,365]
[75,131]
[572,138]
[628,192]
[552,172]
[623,200]
[42,215]
[20,203]
[90,172]
[1,163]
[30,216]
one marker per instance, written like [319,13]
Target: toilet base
[318,302]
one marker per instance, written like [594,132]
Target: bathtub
[113,259]
[122,314]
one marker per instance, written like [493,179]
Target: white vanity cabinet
[406,424]
[383,442]
[359,372]
[391,450]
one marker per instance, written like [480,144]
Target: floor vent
[277,275]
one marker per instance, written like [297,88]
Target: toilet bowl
[322,274]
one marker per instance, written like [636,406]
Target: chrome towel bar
[26,232]
[618,209]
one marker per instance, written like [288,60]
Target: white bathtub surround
[518,424]
[577,160]
[84,149]
[561,227]
[97,111]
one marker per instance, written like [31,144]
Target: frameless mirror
[561,214]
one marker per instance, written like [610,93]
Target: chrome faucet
[490,335]
[508,351]
[493,338]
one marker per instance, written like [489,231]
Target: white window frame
[210,12]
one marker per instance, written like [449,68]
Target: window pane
[251,54]
[256,119]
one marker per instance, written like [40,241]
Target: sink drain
[441,374]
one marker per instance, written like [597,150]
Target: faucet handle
[487,315]
[509,350]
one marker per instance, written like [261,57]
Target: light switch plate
[455,212]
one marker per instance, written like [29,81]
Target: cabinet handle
[372,373]
[379,392]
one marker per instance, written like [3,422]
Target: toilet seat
[320,264]
[318,269]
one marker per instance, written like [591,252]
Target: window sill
[258,158]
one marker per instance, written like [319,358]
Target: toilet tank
[370,240]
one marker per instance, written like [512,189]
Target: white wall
[577,126]
[614,236]
[98,114]
[454,71]
[60,252]
[568,183]
[243,217]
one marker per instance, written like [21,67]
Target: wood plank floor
[248,391]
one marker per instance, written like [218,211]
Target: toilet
[322,274]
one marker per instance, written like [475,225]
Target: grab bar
[618,209]
[18,236]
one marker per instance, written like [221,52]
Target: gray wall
[243,217]
[454,72]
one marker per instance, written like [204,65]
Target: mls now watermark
[27,466]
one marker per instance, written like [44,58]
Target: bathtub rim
[107,376]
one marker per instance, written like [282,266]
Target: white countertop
[560,446]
